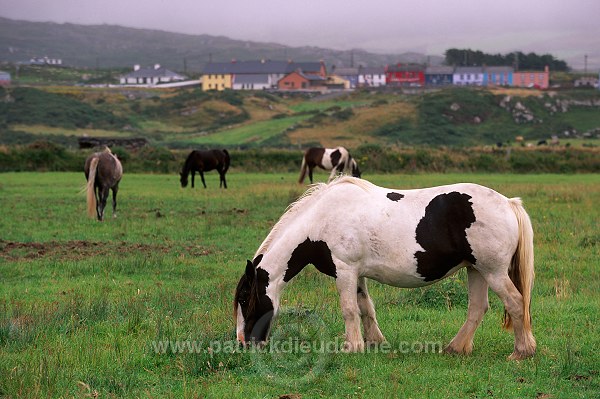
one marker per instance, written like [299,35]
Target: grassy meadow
[141,305]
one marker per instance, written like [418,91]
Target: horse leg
[115,189]
[222,174]
[478,305]
[310,173]
[102,203]
[98,195]
[513,302]
[346,284]
[202,177]
[373,334]
[193,177]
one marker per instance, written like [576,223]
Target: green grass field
[91,309]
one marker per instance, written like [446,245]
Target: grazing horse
[352,230]
[204,161]
[103,172]
[337,160]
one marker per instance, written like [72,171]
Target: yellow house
[216,81]
[338,82]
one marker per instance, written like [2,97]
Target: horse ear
[250,271]
[257,260]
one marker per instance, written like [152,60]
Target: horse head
[183,178]
[355,170]
[253,308]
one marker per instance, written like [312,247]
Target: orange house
[537,79]
[298,80]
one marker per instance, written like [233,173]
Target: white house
[150,76]
[371,77]
[4,78]
[468,76]
[251,81]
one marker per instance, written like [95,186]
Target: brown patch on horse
[312,158]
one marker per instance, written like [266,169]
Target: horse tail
[521,270]
[303,170]
[91,196]
[227,160]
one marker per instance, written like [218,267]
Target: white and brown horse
[337,160]
[103,172]
[352,230]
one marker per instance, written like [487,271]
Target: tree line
[517,59]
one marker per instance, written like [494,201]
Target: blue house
[498,76]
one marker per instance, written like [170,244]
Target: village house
[371,76]
[4,79]
[412,75]
[468,76]
[150,76]
[45,61]
[253,75]
[300,81]
[349,74]
[498,76]
[337,82]
[439,75]
[586,81]
[536,79]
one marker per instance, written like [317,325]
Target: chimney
[136,67]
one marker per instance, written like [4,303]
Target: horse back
[109,170]
[314,156]
[414,237]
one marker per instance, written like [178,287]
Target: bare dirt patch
[79,249]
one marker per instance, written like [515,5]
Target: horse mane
[314,191]
[186,164]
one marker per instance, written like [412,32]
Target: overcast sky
[568,29]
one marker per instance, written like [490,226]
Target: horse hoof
[518,355]
[350,348]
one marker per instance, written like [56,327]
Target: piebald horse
[204,161]
[103,172]
[352,230]
[337,160]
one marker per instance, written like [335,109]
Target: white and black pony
[352,230]
[337,160]
[204,161]
[103,172]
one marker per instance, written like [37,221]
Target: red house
[299,80]
[405,75]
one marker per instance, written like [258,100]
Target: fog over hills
[102,46]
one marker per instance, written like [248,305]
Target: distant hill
[108,46]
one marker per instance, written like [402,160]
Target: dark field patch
[80,249]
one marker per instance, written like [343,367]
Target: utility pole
[585,64]
[351,58]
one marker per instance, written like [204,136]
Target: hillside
[457,117]
[108,46]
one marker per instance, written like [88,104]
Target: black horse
[103,172]
[204,161]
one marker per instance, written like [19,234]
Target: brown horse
[204,161]
[337,160]
[103,172]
